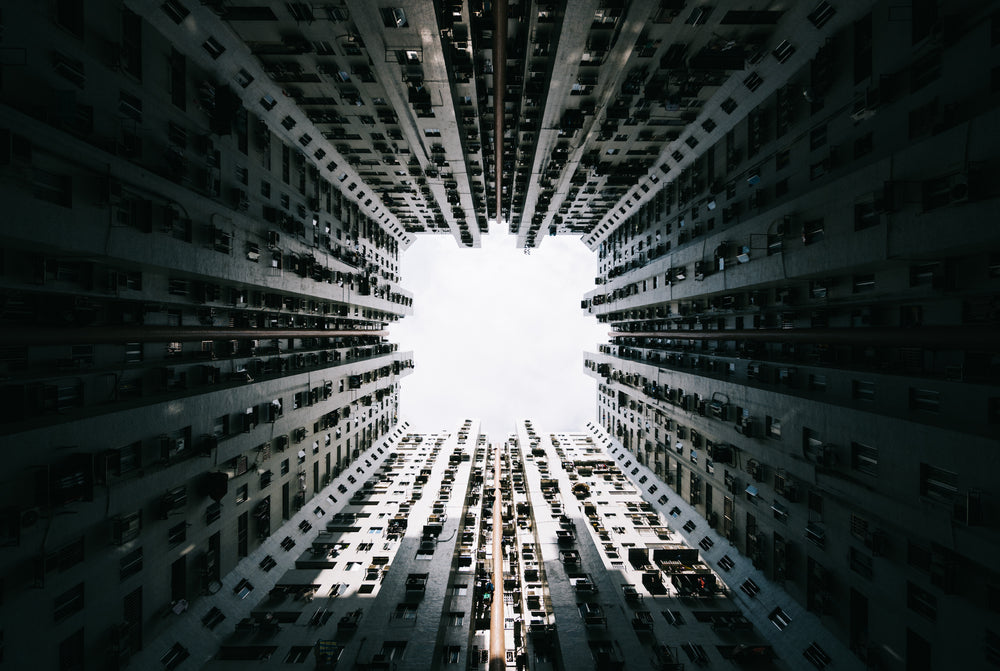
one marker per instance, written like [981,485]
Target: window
[175,10]
[394,17]
[405,611]
[244,78]
[812,231]
[859,527]
[921,601]
[452,654]
[130,564]
[865,215]
[816,655]
[298,654]
[301,11]
[938,483]
[214,49]
[173,657]
[456,618]
[863,390]
[461,590]
[242,534]
[773,427]
[177,533]
[69,602]
[861,563]
[780,512]
[242,493]
[863,283]
[779,618]
[817,382]
[823,13]
[926,400]
[864,458]
[392,650]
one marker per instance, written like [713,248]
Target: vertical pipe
[498,661]
[499,86]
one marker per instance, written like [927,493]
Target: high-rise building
[804,329]
[793,212]
[450,550]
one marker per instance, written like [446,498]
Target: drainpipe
[499,87]
[498,659]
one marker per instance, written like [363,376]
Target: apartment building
[396,571]
[194,333]
[804,334]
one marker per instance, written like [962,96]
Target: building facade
[394,571]
[804,332]
[194,339]
[793,212]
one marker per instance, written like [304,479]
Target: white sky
[497,334]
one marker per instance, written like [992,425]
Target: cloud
[497,334]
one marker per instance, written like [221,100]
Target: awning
[778,508]
[751,490]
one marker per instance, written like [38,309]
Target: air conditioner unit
[126,528]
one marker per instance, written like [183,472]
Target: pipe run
[498,659]
[121,334]
[499,88]
[978,337]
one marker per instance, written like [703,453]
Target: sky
[498,335]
